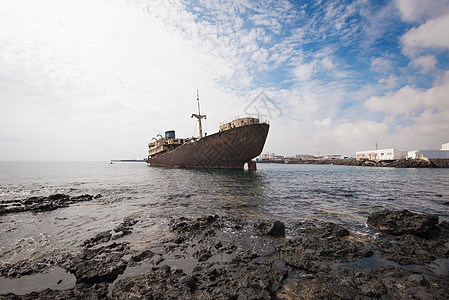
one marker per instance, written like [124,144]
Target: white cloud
[432,34]
[426,63]
[381,65]
[418,10]
[409,99]
[328,64]
[304,72]
[404,101]
[391,81]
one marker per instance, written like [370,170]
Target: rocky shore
[405,256]
[398,163]
[41,204]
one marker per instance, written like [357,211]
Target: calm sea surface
[342,194]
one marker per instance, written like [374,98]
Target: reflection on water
[154,195]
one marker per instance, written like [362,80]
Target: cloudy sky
[97,79]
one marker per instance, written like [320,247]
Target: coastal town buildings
[266,156]
[382,154]
[375,155]
[304,156]
[430,154]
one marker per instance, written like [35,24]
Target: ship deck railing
[262,121]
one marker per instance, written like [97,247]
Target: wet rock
[222,259]
[271,228]
[203,254]
[239,280]
[56,197]
[25,267]
[103,264]
[126,224]
[160,283]
[80,291]
[102,237]
[189,282]
[318,242]
[42,204]
[320,229]
[410,238]
[193,227]
[444,226]
[85,197]
[385,283]
[146,254]
[403,222]
[125,227]
[413,250]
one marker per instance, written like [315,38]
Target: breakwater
[398,163]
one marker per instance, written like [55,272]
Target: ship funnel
[170,134]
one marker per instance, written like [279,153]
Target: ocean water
[154,195]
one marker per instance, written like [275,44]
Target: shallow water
[342,194]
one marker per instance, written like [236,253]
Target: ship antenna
[199,116]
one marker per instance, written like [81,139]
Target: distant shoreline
[128,160]
[398,163]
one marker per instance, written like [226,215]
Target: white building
[266,156]
[430,154]
[333,156]
[383,154]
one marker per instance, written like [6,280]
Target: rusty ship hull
[229,149]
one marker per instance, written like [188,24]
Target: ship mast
[199,116]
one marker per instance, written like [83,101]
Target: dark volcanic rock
[412,250]
[321,242]
[190,227]
[403,222]
[125,227]
[161,283]
[398,163]
[241,280]
[102,237]
[410,238]
[85,197]
[42,204]
[271,228]
[97,265]
[385,282]
[203,254]
[80,291]
[221,258]
[25,267]
[146,254]
[60,197]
